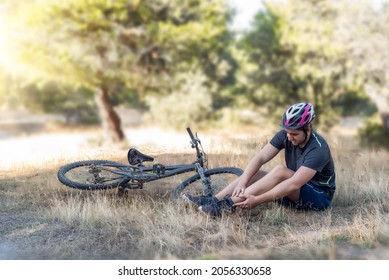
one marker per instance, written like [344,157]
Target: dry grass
[42,219]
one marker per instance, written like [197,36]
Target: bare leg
[274,177]
[230,188]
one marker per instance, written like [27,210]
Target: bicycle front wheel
[220,178]
[93,174]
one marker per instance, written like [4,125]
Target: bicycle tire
[217,184]
[82,168]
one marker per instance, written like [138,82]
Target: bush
[355,103]
[77,106]
[190,104]
[373,135]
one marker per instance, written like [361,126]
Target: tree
[319,50]
[367,44]
[105,44]
[299,56]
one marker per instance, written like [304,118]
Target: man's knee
[281,172]
[257,176]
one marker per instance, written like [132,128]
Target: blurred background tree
[331,53]
[108,45]
[181,61]
[300,57]
[366,46]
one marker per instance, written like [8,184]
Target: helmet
[297,116]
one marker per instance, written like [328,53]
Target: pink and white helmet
[298,116]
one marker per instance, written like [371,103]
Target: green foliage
[187,105]
[129,48]
[76,105]
[355,103]
[104,42]
[298,57]
[297,50]
[373,134]
[127,96]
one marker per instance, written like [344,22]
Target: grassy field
[42,219]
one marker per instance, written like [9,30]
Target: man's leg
[230,188]
[261,185]
[227,191]
[270,180]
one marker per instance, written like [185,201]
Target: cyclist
[306,183]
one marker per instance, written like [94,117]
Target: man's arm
[267,153]
[290,187]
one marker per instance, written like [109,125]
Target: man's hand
[238,190]
[248,202]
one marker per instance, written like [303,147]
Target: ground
[34,205]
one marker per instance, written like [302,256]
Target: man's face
[297,137]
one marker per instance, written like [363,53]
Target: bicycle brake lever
[194,141]
[197,138]
[194,138]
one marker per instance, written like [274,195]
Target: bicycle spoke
[93,174]
[218,182]
[219,177]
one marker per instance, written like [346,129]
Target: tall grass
[147,224]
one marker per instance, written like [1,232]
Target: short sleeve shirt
[315,155]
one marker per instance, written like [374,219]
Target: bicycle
[106,174]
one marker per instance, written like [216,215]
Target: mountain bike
[106,174]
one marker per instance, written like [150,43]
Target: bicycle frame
[138,175]
[105,174]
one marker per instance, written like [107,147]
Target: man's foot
[201,199]
[216,209]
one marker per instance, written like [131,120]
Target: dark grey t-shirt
[315,155]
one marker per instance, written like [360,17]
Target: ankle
[237,199]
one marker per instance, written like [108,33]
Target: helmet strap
[306,134]
[305,131]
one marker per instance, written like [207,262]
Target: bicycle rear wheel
[220,178]
[92,174]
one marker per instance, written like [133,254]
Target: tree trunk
[385,122]
[109,118]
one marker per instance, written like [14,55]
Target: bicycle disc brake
[96,173]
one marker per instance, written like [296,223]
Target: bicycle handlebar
[190,133]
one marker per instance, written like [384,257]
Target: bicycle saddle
[135,157]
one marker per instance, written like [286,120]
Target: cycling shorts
[311,198]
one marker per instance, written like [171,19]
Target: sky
[245,12]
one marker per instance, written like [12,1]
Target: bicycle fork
[204,179]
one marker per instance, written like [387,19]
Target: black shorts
[311,198]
